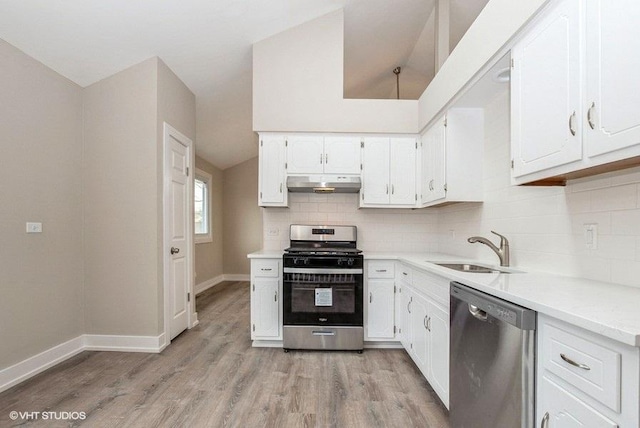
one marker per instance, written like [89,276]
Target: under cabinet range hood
[324,184]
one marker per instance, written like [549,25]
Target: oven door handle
[322,271]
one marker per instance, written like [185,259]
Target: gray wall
[242,216]
[41,293]
[209,259]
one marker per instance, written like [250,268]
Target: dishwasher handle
[477,312]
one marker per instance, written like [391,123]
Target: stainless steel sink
[466,267]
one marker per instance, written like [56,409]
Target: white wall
[394,230]
[545,224]
[298,85]
[493,28]
[41,293]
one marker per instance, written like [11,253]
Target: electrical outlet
[34,227]
[452,234]
[273,231]
[591,236]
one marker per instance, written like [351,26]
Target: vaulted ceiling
[207,43]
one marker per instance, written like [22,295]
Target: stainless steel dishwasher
[492,361]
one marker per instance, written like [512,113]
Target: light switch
[34,227]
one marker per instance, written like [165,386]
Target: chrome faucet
[502,252]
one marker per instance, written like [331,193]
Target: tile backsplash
[545,225]
[378,229]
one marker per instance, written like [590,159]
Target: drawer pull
[405,274]
[573,363]
[266,269]
[381,270]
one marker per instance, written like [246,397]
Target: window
[202,207]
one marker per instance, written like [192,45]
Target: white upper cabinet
[613,87]
[342,155]
[389,172]
[451,164]
[316,154]
[545,92]
[272,190]
[575,95]
[305,154]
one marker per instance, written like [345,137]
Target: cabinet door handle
[571,120]
[387,189]
[545,421]
[370,297]
[393,189]
[280,187]
[409,305]
[590,117]
[425,323]
[275,297]
[320,158]
[573,363]
[431,184]
[326,158]
[429,324]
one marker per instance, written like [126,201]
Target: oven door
[315,296]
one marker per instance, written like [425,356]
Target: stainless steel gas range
[323,288]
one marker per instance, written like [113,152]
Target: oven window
[322,293]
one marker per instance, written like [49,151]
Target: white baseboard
[205,285]
[100,342]
[383,345]
[30,367]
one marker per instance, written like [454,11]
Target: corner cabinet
[266,297]
[389,172]
[451,165]
[584,379]
[578,115]
[272,190]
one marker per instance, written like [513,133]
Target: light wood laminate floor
[211,377]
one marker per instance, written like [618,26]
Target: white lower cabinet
[379,298]
[266,292]
[585,380]
[424,327]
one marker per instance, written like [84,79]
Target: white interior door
[178,235]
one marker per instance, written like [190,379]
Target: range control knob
[350,262]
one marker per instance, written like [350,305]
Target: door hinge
[261,143]
[394,329]
[416,144]
[412,346]
[394,289]
[512,63]
[286,165]
[360,167]
[187,171]
[260,195]
[363,196]
[416,196]
[511,163]
[254,327]
[286,143]
[445,187]
[254,287]
[188,297]
[361,144]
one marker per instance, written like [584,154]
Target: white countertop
[611,310]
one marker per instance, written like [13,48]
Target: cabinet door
[305,154]
[545,92]
[404,326]
[375,173]
[265,304]
[342,155]
[380,309]
[612,103]
[433,163]
[418,317]
[402,171]
[438,326]
[564,410]
[272,173]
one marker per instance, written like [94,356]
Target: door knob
[174,250]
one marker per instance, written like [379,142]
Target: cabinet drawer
[405,274]
[381,269]
[266,268]
[583,362]
[436,287]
